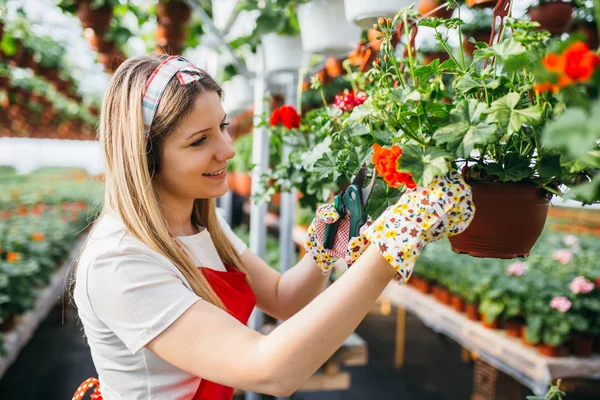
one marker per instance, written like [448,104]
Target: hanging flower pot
[554,17]
[479,36]
[243,183]
[97,19]
[513,327]
[333,66]
[173,12]
[482,3]
[324,30]
[100,44]
[436,55]
[231,181]
[170,35]
[282,52]
[365,13]
[508,220]
[457,303]
[426,6]
[472,311]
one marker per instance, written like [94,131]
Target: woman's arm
[210,343]
[283,295]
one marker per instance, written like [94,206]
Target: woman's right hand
[422,215]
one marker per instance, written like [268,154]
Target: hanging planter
[333,66]
[324,30]
[482,3]
[365,13]
[509,218]
[438,55]
[479,36]
[554,17]
[100,44]
[238,95]
[97,19]
[173,35]
[173,12]
[426,6]
[282,52]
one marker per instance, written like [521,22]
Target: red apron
[238,299]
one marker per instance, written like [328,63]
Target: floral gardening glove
[342,248]
[422,215]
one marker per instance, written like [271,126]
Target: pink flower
[564,256]
[581,285]
[560,303]
[517,268]
[347,101]
[571,240]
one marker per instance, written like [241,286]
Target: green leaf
[467,83]
[423,164]
[501,50]
[509,117]
[575,131]
[549,166]
[468,129]
[381,198]
[516,168]
[311,157]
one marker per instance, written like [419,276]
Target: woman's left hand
[343,247]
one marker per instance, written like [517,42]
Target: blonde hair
[133,160]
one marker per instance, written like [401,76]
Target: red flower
[347,101]
[386,161]
[286,115]
[38,237]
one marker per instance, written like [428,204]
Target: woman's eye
[224,125]
[199,141]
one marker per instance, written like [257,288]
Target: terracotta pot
[96,19]
[508,220]
[305,86]
[170,34]
[472,311]
[444,295]
[430,57]
[479,36]
[482,3]
[173,12]
[231,180]
[590,31]
[554,17]
[100,44]
[426,6]
[513,327]
[333,66]
[243,183]
[423,286]
[457,303]
[582,345]
[276,200]
[551,351]
[524,337]
[323,77]
[487,324]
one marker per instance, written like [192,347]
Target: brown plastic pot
[231,180]
[551,351]
[334,67]
[582,345]
[444,295]
[96,19]
[426,6]
[243,183]
[457,303]
[513,327]
[489,325]
[509,218]
[170,35]
[479,36]
[554,17]
[173,12]
[482,3]
[430,57]
[424,286]
[472,311]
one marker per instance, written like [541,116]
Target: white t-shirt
[126,295]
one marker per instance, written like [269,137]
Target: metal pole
[260,158]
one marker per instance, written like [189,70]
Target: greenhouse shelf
[494,347]
[17,338]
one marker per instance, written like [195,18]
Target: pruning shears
[352,201]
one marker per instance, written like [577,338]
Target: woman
[164,289]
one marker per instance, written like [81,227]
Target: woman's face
[195,155]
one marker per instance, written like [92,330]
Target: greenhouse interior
[288,199]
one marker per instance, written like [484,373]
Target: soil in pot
[479,36]
[508,220]
[457,303]
[472,311]
[551,351]
[482,3]
[426,6]
[513,327]
[582,345]
[490,325]
[554,17]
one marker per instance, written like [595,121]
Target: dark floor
[56,360]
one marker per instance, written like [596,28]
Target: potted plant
[365,13]
[323,28]
[426,8]
[553,15]
[93,14]
[173,12]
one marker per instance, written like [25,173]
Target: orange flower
[38,237]
[554,62]
[576,64]
[386,161]
[12,257]
[22,210]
